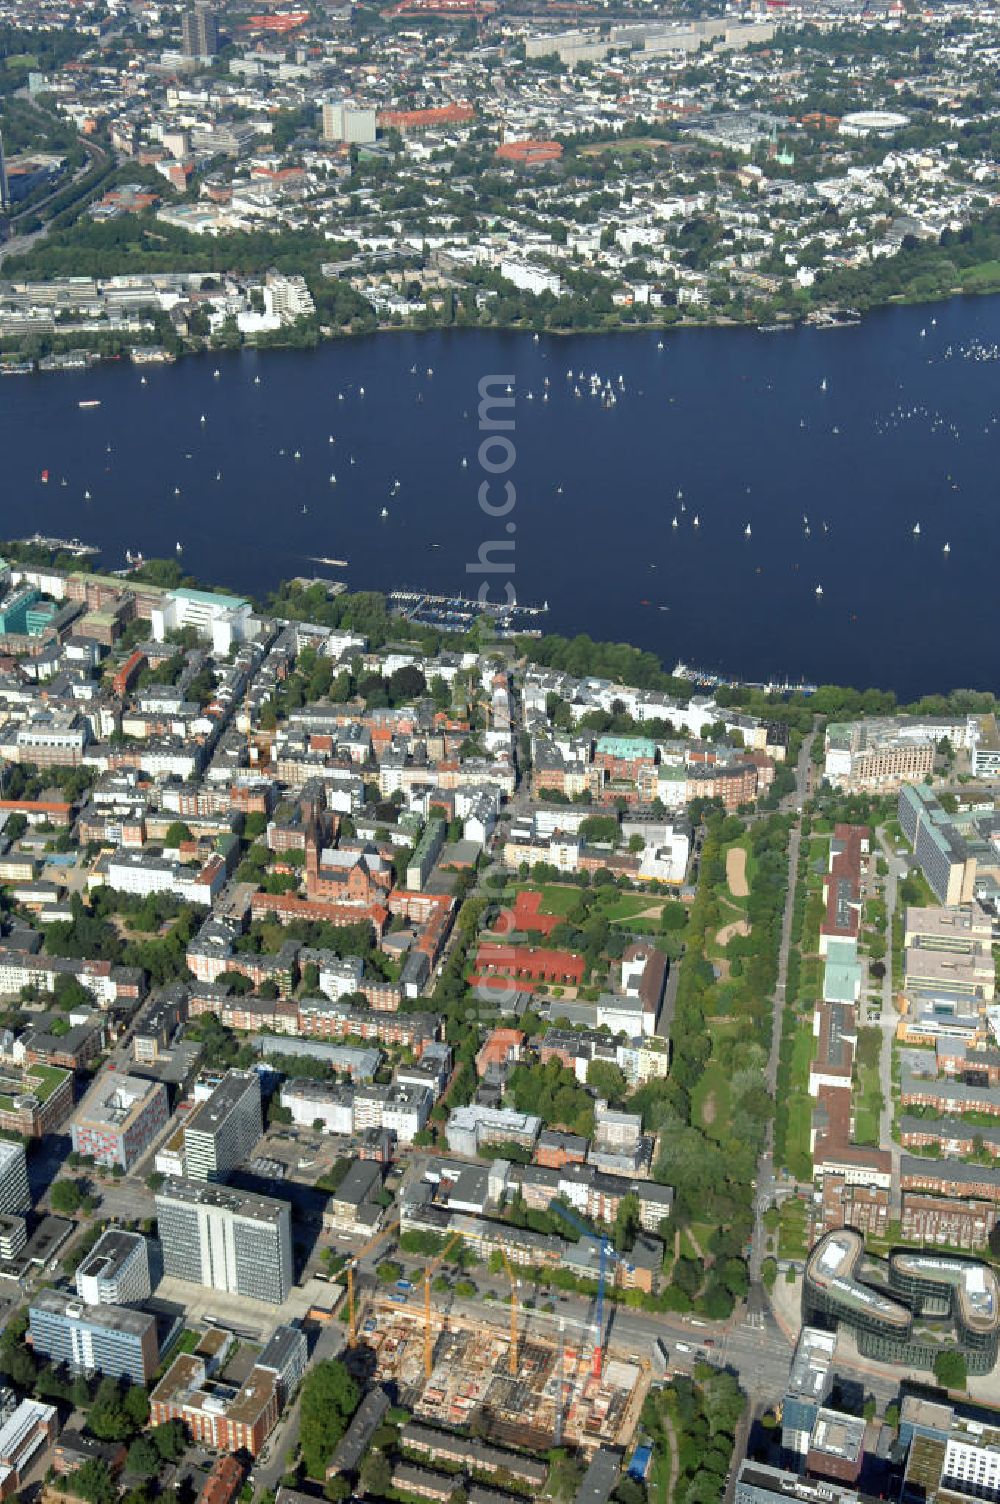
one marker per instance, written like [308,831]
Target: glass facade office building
[906,1309]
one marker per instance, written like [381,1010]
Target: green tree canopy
[66,1197]
[93,1482]
[607,1080]
[143,1458]
[950,1369]
[329,1399]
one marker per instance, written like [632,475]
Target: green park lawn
[792,1229]
[797,1137]
[799,1104]
[867,1088]
[985,275]
[710,1101]
[556,899]
[628,905]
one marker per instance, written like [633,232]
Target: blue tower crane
[609,1254]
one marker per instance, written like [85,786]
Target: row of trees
[365,612]
[46,50]
[95,1483]
[329,1399]
[701,1416]
[712,1167]
[142,243]
[581,656]
[25,781]
[313,679]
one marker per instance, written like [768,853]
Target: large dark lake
[831,446]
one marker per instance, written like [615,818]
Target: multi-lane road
[751,1345]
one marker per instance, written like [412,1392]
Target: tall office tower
[4,193]
[199,32]
[222,1130]
[225,1239]
[343,120]
[15,1198]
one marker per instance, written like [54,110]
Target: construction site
[550,1395]
[505,1372]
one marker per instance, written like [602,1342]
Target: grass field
[928,898]
[626,145]
[799,1103]
[802,1052]
[40,1080]
[866,1120]
[730,908]
[186,1343]
[731,911]
[867,1107]
[986,274]
[867,1088]
[710,1102]
[797,1138]
[792,1230]
[639,926]
[658,1477]
[621,908]
[631,904]
[688,1250]
[702,1232]
[555,898]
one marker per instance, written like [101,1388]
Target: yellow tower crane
[355,1259]
[512,1354]
[434,1264]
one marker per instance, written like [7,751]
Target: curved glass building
[907,1309]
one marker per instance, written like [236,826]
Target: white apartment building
[338,978]
[971,1468]
[116,1271]
[222,620]
[140,873]
[529,278]
[323,1102]
[343,120]
[403,1110]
